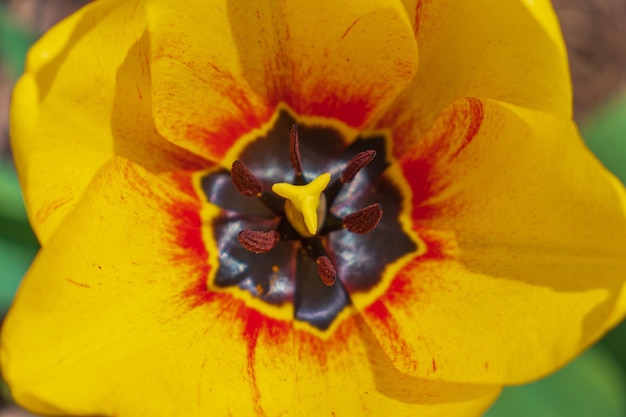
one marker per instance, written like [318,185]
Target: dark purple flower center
[261,252]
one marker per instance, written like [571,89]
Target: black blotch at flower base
[287,273]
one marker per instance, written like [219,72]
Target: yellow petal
[509,50]
[220,70]
[102,324]
[114,319]
[84,98]
[348,374]
[525,257]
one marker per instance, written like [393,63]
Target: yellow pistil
[303,203]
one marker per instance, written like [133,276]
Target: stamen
[325,267]
[294,150]
[354,165]
[257,241]
[326,270]
[245,181]
[357,163]
[364,220]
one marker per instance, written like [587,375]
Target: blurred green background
[594,384]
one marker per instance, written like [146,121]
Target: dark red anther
[364,220]
[244,180]
[357,163]
[294,149]
[326,270]
[258,242]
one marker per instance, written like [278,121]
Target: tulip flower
[305,208]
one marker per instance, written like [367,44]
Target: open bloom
[273,209]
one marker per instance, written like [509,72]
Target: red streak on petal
[311,347]
[379,310]
[349,28]
[190,238]
[424,169]
[390,328]
[80,284]
[43,214]
[353,111]
[254,323]
[434,365]
[184,183]
[184,160]
[190,252]
[199,385]
[403,288]
[330,100]
[418,13]
[218,142]
[476,116]
[436,247]
[139,93]
[406,292]
[226,128]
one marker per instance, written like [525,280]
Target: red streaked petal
[220,71]
[525,238]
[74,110]
[120,292]
[507,50]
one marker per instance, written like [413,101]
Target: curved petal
[74,109]
[508,50]
[114,319]
[525,257]
[105,273]
[221,70]
[348,374]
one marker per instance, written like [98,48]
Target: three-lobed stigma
[305,205]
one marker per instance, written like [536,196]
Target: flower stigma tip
[303,202]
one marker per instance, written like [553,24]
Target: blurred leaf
[615,342]
[18,233]
[11,203]
[13,221]
[15,259]
[18,244]
[592,385]
[605,135]
[14,42]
